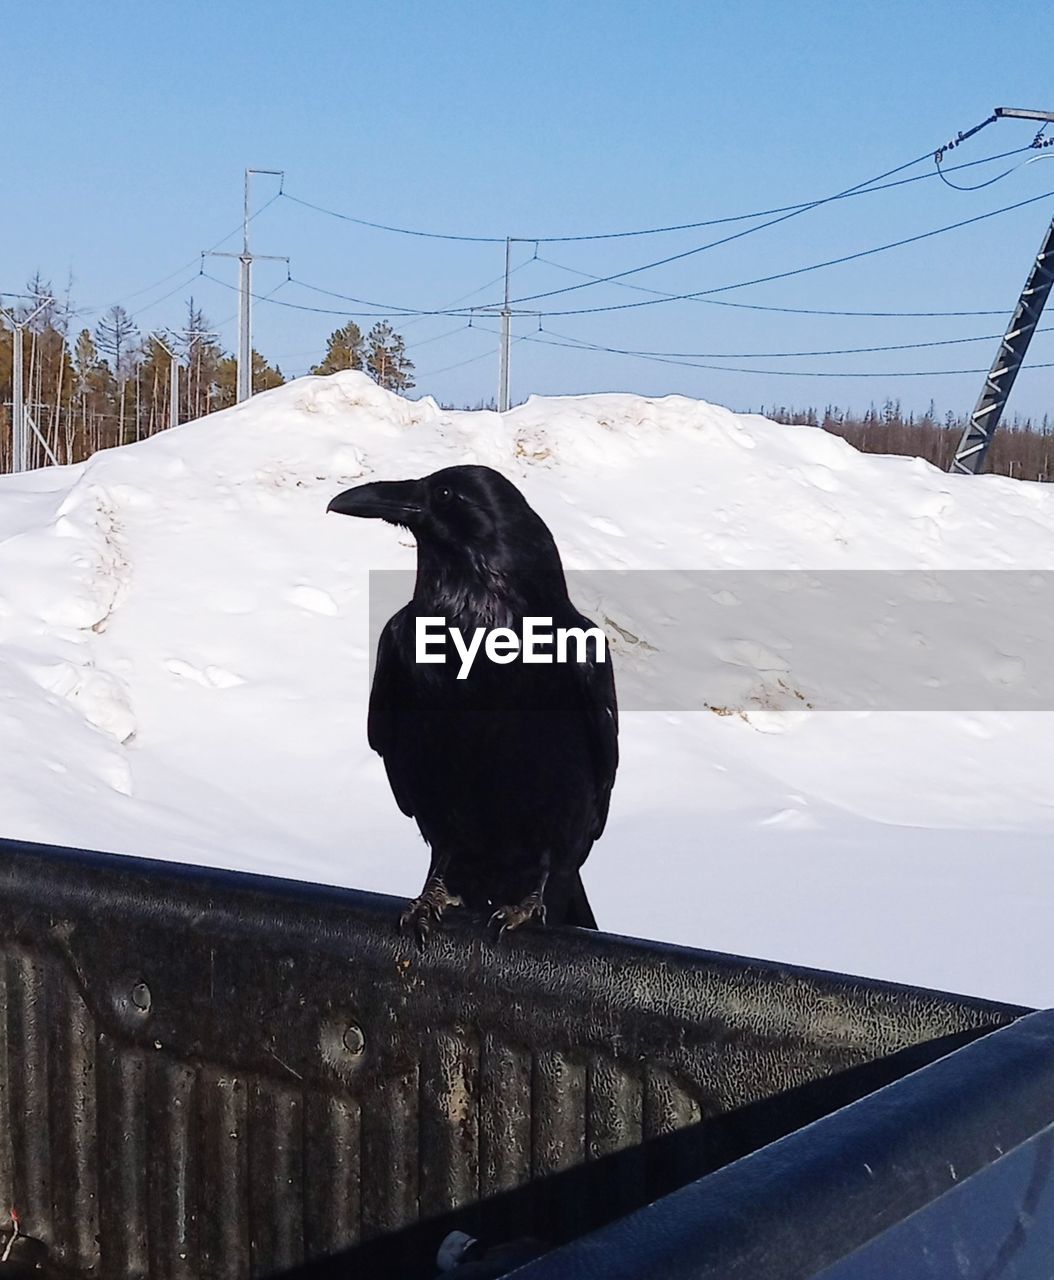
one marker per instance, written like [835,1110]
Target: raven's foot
[531,908]
[427,910]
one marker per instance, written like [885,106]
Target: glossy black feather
[509,771]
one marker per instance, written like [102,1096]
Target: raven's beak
[396,501]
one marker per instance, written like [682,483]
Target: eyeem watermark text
[538,642]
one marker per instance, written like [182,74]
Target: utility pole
[977,437]
[19,417]
[505,312]
[190,338]
[245,287]
[173,380]
[506,329]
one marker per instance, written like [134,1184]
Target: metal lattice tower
[977,438]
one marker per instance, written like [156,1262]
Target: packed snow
[184,657]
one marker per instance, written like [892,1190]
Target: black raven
[507,767]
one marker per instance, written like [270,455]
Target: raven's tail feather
[579,912]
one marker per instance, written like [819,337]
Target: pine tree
[85,358]
[386,360]
[344,350]
[264,377]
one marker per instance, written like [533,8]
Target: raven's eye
[442,494]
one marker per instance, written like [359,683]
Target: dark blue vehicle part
[210,1074]
[946,1173]
[997,1225]
[563,1206]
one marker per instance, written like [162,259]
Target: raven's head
[458,507]
[467,518]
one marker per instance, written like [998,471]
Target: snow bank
[184,656]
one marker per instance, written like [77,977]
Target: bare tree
[115,336]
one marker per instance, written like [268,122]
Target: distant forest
[90,389]
[1022,448]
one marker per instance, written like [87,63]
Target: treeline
[87,389]
[1022,448]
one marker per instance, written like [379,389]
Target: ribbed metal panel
[223,1196]
[71,1106]
[614,1118]
[667,1107]
[558,1112]
[504,1116]
[333,1189]
[8,1066]
[276,1175]
[449,1121]
[208,1075]
[173,1188]
[29,1116]
[122,1117]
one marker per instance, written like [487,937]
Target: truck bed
[207,1074]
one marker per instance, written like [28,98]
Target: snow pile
[184,658]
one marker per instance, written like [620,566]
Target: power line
[379,313]
[439,337]
[483,355]
[560,266]
[980,186]
[782,355]
[386,314]
[714,244]
[264,297]
[164,297]
[793,311]
[193,262]
[381,307]
[373,309]
[369,310]
[434,373]
[864,188]
[382,226]
[796,271]
[776,373]
[453,303]
[446,310]
[299,306]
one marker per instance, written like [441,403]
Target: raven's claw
[509,918]
[423,912]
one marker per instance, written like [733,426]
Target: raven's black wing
[389,713]
[596,682]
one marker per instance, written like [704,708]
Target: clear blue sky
[127,127]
